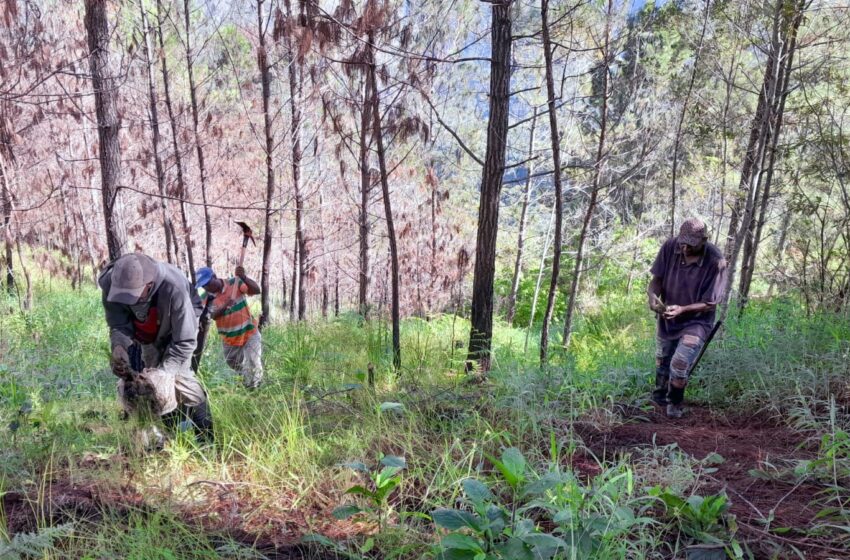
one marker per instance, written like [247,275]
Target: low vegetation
[531,463]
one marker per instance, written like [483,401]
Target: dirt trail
[745,443]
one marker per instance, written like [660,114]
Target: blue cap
[203,276]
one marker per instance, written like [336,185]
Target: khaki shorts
[247,360]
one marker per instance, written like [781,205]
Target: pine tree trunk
[377,134]
[555,137]
[193,97]
[523,220]
[175,146]
[153,111]
[481,334]
[363,217]
[594,193]
[265,77]
[108,125]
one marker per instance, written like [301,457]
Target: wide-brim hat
[130,275]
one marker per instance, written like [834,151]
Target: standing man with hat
[240,337]
[152,304]
[688,278]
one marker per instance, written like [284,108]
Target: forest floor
[761,462]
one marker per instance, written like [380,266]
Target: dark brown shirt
[684,284]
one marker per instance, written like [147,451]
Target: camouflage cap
[692,232]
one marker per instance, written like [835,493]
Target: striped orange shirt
[235,325]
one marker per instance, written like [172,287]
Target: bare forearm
[253,287]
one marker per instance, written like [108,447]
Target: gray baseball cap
[130,274]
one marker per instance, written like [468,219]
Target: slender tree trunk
[193,97]
[555,137]
[153,111]
[325,294]
[108,124]
[26,303]
[336,288]
[523,220]
[481,335]
[6,204]
[175,146]
[265,77]
[766,125]
[293,300]
[597,174]
[377,134]
[295,91]
[365,188]
[724,158]
[547,240]
[681,122]
[432,280]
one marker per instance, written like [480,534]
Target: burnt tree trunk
[175,146]
[156,139]
[108,125]
[523,220]
[481,334]
[265,77]
[597,174]
[556,162]
[199,150]
[377,134]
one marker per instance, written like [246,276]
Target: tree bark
[363,217]
[540,269]
[108,125]
[765,130]
[156,139]
[481,334]
[597,174]
[555,137]
[6,202]
[377,134]
[295,92]
[178,156]
[193,97]
[523,219]
[265,77]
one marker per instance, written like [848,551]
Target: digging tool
[704,346]
[247,233]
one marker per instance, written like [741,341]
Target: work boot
[675,411]
[659,395]
[201,417]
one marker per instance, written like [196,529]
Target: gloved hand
[120,363]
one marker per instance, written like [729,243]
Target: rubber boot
[201,417]
[659,395]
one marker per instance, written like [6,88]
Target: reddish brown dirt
[746,443]
[275,536]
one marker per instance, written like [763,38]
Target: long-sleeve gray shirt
[177,306]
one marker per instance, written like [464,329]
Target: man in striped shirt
[240,337]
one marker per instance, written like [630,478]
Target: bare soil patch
[746,442]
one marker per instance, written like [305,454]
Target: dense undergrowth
[474,471]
